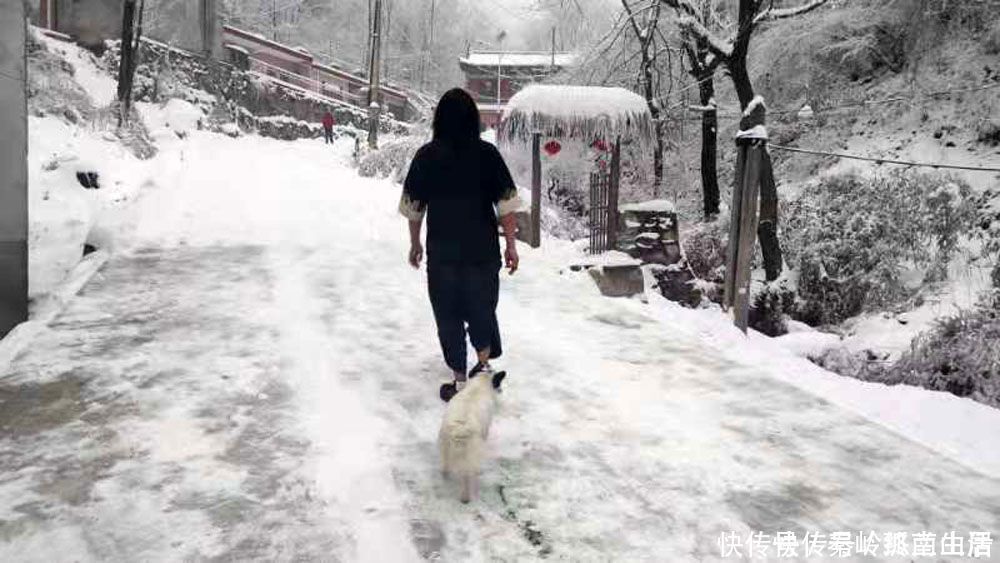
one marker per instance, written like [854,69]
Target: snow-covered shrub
[987,231]
[863,45]
[988,132]
[771,306]
[958,355]
[992,42]
[392,159]
[52,88]
[704,246]
[854,240]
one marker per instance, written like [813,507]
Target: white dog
[464,430]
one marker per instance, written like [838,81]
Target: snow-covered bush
[771,306]
[992,42]
[704,246]
[988,132]
[864,44]
[956,356]
[987,231]
[856,241]
[52,88]
[392,159]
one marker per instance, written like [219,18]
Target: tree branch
[772,14]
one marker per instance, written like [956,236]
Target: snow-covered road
[257,379]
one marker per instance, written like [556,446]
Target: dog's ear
[498,378]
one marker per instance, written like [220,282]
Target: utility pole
[428,49]
[500,39]
[553,47]
[13,158]
[274,20]
[374,106]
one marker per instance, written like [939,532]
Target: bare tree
[732,52]
[702,65]
[634,53]
[645,29]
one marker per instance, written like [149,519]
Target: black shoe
[448,390]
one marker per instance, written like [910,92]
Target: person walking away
[328,126]
[465,189]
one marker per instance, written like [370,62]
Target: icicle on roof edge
[580,112]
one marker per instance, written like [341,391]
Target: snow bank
[959,428]
[807,344]
[174,118]
[64,215]
[97,83]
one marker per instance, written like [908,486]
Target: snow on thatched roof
[583,112]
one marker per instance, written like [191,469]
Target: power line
[886,160]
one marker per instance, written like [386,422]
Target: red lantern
[599,145]
[552,147]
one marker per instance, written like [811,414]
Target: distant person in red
[328,126]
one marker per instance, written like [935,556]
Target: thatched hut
[585,113]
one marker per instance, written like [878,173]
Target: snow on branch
[781,13]
[757,100]
[683,7]
[722,49]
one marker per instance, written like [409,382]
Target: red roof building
[515,69]
[297,67]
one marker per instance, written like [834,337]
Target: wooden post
[13,157]
[743,229]
[374,103]
[536,190]
[613,185]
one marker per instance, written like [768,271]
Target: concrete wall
[90,22]
[180,23]
[13,168]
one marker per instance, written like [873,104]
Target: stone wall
[235,95]
[648,231]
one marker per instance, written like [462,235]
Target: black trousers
[465,295]
[328,134]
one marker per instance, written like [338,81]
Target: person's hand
[416,254]
[511,257]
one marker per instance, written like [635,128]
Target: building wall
[14,176]
[90,22]
[179,23]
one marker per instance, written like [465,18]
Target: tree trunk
[126,68]
[741,80]
[767,230]
[654,110]
[709,148]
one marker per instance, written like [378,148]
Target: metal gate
[602,212]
